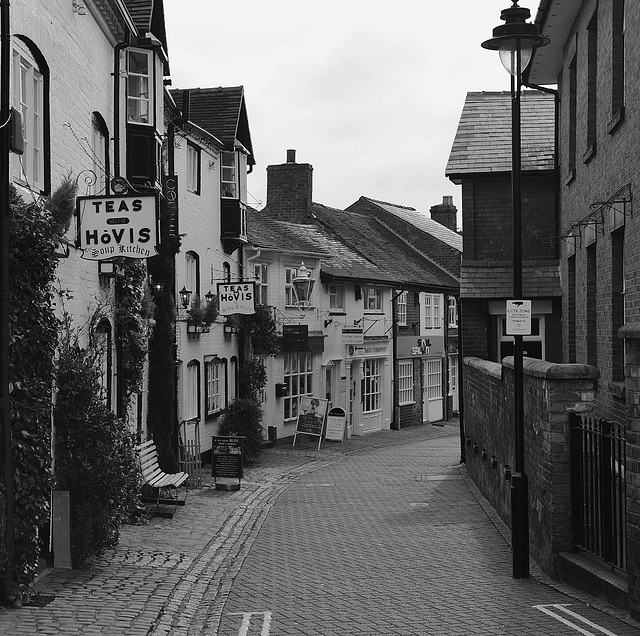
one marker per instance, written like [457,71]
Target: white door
[371,395]
[432,401]
[453,383]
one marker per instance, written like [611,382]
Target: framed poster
[311,415]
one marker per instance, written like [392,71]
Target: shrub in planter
[244,417]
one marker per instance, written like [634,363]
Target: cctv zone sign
[117,226]
[236,298]
[518,314]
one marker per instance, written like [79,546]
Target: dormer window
[139,101]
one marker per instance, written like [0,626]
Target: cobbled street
[383,534]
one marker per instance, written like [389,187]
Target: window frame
[225,169]
[215,386]
[401,309]
[192,272]
[29,98]
[374,294]
[371,385]
[452,312]
[192,391]
[405,382]
[137,96]
[298,373]
[261,281]
[194,168]
[431,313]
[336,297]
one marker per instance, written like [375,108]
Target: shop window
[405,381]
[298,377]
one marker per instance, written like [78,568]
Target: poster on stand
[311,415]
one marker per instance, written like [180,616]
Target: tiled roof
[148,16]
[422,222]
[351,246]
[220,111]
[395,259]
[483,140]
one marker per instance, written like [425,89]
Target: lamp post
[515,41]
[302,287]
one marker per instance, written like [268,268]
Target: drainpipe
[6,579]
[463,447]
[116,103]
[556,137]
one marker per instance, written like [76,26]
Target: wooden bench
[164,485]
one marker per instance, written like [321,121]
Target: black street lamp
[516,40]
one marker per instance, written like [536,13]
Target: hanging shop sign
[236,298]
[110,227]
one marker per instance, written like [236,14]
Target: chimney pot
[291,156]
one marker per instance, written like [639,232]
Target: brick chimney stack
[289,190]
[446,213]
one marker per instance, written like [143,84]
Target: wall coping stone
[630,330]
[538,368]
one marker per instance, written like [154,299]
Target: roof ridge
[393,205]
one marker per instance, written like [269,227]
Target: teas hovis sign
[236,298]
[114,226]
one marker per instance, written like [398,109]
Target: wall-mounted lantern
[185,297]
[302,287]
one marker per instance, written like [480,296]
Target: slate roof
[482,143]
[351,246]
[394,258]
[148,16]
[422,222]
[220,111]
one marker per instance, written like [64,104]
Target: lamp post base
[520,525]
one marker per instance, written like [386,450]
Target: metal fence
[598,487]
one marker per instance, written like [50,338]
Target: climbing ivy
[34,230]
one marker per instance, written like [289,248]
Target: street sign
[518,318]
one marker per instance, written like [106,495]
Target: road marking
[564,608]
[246,622]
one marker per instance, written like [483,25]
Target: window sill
[616,119]
[337,312]
[571,177]
[590,153]
[212,416]
[377,312]
[407,403]
[617,389]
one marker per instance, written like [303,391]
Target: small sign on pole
[518,318]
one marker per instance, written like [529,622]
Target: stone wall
[551,392]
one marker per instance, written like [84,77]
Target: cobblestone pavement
[383,534]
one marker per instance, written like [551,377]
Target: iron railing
[598,487]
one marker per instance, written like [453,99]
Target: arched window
[226,272]
[192,391]
[102,343]
[100,149]
[192,272]
[30,99]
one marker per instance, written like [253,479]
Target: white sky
[369,92]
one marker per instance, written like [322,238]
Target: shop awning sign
[111,227]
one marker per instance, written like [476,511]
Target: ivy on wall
[33,334]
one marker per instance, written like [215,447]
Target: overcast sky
[369,92]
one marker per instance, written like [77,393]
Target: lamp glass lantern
[209,297]
[185,296]
[303,286]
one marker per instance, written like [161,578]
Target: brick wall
[551,392]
